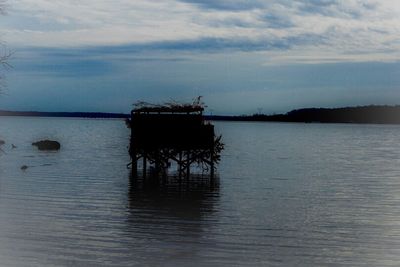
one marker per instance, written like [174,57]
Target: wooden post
[212,162]
[157,164]
[134,165]
[133,152]
[144,166]
[164,167]
[180,166]
[187,164]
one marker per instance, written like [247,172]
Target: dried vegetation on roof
[197,105]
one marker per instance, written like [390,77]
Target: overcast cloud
[72,44]
[348,28]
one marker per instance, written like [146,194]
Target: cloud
[340,27]
[208,44]
[277,21]
[334,8]
[68,68]
[101,54]
[226,4]
[93,81]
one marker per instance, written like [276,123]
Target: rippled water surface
[286,195]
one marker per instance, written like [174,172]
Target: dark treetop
[364,114]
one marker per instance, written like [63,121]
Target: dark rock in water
[47,145]
[24,167]
[13,146]
[2,142]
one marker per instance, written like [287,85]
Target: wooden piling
[144,165]
[188,164]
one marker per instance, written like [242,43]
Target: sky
[243,56]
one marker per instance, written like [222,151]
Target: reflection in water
[171,218]
[183,199]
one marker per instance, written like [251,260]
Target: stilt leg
[180,166]
[134,166]
[212,163]
[144,166]
[188,164]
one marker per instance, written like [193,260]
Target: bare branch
[4,57]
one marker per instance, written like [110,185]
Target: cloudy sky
[241,56]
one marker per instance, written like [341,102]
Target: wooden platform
[164,135]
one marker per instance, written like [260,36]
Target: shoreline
[359,115]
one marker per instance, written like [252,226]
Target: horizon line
[100,114]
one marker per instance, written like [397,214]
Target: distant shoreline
[97,115]
[373,114]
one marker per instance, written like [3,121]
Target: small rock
[47,145]
[24,167]
[13,146]
[2,142]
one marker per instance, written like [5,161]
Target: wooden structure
[178,134]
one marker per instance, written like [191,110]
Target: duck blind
[153,131]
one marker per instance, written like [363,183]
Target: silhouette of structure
[172,135]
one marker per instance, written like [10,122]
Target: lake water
[286,195]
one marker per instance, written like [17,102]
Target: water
[287,195]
